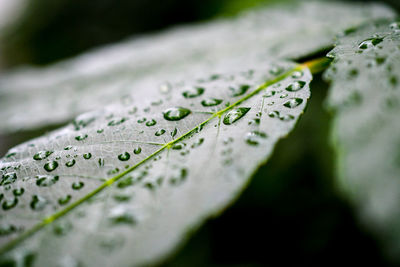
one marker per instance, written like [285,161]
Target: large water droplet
[8,178]
[294,102]
[176,113]
[42,155]
[209,102]
[197,91]
[51,165]
[46,180]
[370,42]
[240,90]
[234,115]
[295,86]
[253,138]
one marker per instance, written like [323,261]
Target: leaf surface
[128,181]
[365,95]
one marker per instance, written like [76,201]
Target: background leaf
[365,96]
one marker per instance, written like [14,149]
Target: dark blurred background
[291,214]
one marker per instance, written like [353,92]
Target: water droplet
[240,90]
[152,122]
[165,88]
[87,155]
[10,203]
[9,155]
[234,115]
[64,200]
[125,182]
[81,137]
[42,155]
[297,74]
[370,42]
[160,132]
[283,95]
[62,228]
[253,138]
[287,117]
[174,132]
[18,192]
[209,102]
[50,165]
[198,142]
[46,180]
[294,102]
[100,131]
[101,162]
[270,93]
[124,156]
[276,70]
[395,26]
[8,178]
[117,122]
[295,86]
[119,215]
[176,113]
[67,147]
[197,91]
[77,185]
[38,202]
[254,121]
[181,177]
[122,198]
[178,146]
[70,163]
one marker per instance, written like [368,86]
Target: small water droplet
[283,95]
[240,90]
[10,203]
[77,185]
[101,162]
[116,122]
[42,155]
[160,132]
[287,117]
[64,200]
[295,86]
[51,165]
[151,122]
[198,142]
[67,147]
[369,43]
[9,155]
[294,102]
[234,115]
[124,156]
[270,93]
[178,146]
[174,132]
[18,192]
[81,137]
[197,91]
[137,150]
[38,202]
[70,163]
[87,155]
[253,138]
[8,178]
[209,102]
[297,74]
[46,180]
[176,113]
[119,215]
[276,70]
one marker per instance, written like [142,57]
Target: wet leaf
[143,182]
[365,96]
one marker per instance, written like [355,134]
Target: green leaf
[365,95]
[127,182]
[36,97]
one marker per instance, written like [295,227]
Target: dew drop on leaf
[253,138]
[64,200]
[151,122]
[176,113]
[77,185]
[42,155]
[87,155]
[137,150]
[46,180]
[51,165]
[38,202]
[10,203]
[160,132]
[295,86]
[8,178]
[235,115]
[70,163]
[239,90]
[292,103]
[197,91]
[369,43]
[124,156]
[209,102]
[18,192]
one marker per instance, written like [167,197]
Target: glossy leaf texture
[365,96]
[143,172]
[32,98]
